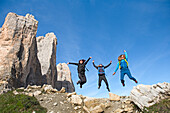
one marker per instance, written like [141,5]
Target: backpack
[101,70]
[125,61]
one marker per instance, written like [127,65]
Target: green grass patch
[20,90]
[10,103]
[161,107]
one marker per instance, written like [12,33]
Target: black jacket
[81,67]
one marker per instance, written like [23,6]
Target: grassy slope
[161,107]
[10,103]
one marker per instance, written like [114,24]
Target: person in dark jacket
[81,71]
[101,73]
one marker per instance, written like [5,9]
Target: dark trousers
[82,78]
[102,77]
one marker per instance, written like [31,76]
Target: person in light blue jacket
[123,66]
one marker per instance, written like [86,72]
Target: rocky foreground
[61,102]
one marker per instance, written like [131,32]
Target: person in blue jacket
[123,66]
[101,72]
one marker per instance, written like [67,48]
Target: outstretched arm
[72,63]
[117,67]
[126,55]
[108,65]
[95,65]
[88,60]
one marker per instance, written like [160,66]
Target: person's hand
[110,61]
[67,63]
[93,61]
[124,50]
[90,57]
[114,73]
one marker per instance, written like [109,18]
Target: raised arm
[72,63]
[88,60]
[126,55]
[108,65]
[95,65]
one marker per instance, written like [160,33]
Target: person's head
[100,65]
[81,61]
[121,57]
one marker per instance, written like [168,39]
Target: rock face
[47,57]
[148,95]
[64,78]
[27,60]
[19,65]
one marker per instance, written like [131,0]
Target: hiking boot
[98,87]
[123,84]
[78,82]
[136,81]
[108,89]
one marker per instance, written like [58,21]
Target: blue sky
[103,29]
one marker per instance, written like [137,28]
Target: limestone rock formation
[148,95]
[47,57]
[64,78]
[27,60]
[114,97]
[19,65]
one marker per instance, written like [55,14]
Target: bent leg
[100,80]
[106,82]
[130,76]
[122,75]
[84,79]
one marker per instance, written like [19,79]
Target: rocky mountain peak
[25,59]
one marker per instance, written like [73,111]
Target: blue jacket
[123,63]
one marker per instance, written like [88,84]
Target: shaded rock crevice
[64,78]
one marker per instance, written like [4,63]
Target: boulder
[77,107]
[64,78]
[148,95]
[55,104]
[114,97]
[70,94]
[19,64]
[76,99]
[86,109]
[36,93]
[33,87]
[15,92]
[47,56]
[97,109]
[63,90]
[91,102]
[118,110]
[48,89]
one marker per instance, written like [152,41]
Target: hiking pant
[102,77]
[126,71]
[82,78]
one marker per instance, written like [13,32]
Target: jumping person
[123,66]
[81,70]
[101,73]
